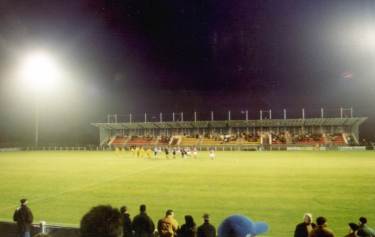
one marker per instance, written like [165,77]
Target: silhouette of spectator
[126,222]
[352,230]
[206,229]
[321,230]
[142,224]
[24,218]
[168,226]
[189,229]
[364,230]
[101,221]
[303,229]
[42,235]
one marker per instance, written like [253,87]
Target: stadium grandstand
[262,134]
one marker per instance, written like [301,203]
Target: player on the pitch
[195,153]
[166,152]
[149,153]
[212,153]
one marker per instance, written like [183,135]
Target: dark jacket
[321,231]
[365,231]
[206,230]
[301,230]
[126,225]
[187,231]
[143,226]
[24,218]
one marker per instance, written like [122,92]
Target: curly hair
[101,221]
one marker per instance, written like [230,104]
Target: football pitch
[275,187]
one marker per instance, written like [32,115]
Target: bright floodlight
[369,38]
[364,36]
[39,71]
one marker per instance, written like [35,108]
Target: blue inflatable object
[241,226]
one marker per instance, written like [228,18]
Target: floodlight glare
[369,38]
[364,37]
[39,71]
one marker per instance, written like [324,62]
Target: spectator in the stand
[206,229]
[303,229]
[189,229]
[142,224]
[168,226]
[352,230]
[364,230]
[24,218]
[321,230]
[101,221]
[126,222]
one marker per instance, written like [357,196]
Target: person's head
[206,217]
[23,202]
[307,218]
[42,235]
[101,221]
[241,226]
[189,221]
[123,209]
[142,208]
[362,220]
[353,227]
[169,212]
[321,220]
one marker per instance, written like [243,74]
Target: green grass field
[276,187]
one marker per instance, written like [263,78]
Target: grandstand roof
[236,123]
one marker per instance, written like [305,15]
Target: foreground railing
[9,229]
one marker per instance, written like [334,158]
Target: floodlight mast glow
[40,73]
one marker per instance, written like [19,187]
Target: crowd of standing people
[166,152]
[320,229]
[106,221]
[141,225]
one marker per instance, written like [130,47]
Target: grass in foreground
[276,187]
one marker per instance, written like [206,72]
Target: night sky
[191,55]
